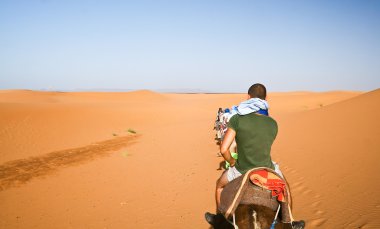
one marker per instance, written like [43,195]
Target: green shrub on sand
[132,131]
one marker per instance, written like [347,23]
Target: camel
[250,217]
[249,206]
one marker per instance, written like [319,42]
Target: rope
[233,219]
[275,217]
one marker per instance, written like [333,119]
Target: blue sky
[217,46]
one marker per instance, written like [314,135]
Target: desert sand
[67,159]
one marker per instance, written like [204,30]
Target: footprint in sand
[316,204]
[298,188]
[306,192]
[301,178]
[363,226]
[319,212]
[296,184]
[318,222]
[291,171]
[317,196]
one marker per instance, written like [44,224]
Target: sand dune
[38,122]
[332,154]
[290,102]
[327,146]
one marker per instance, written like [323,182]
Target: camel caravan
[252,192]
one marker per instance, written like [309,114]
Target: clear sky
[217,46]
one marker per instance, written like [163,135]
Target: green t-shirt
[254,138]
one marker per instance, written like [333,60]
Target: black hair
[257,91]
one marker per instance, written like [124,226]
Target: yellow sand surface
[69,159]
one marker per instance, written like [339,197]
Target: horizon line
[174,91]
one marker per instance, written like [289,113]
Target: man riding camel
[254,132]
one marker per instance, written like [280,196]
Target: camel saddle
[259,186]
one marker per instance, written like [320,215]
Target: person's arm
[225,146]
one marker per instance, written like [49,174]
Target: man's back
[254,137]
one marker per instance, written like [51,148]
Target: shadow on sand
[18,172]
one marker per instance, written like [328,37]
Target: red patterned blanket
[269,181]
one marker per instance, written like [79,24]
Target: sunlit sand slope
[69,160]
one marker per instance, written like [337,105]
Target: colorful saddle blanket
[259,186]
[269,181]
